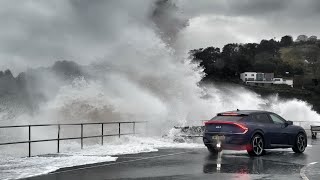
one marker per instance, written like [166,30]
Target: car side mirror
[289,123]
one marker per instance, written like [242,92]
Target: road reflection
[242,164]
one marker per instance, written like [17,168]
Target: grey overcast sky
[219,22]
[37,33]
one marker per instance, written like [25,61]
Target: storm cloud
[37,33]
[216,23]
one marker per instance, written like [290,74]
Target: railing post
[81,136]
[134,127]
[102,134]
[119,129]
[58,145]
[29,141]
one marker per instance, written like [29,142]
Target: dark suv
[253,131]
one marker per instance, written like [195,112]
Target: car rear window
[227,118]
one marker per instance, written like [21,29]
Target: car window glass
[276,119]
[246,119]
[262,118]
[227,118]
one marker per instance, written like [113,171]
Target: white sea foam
[140,76]
[71,155]
[14,168]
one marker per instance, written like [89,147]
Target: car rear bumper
[229,142]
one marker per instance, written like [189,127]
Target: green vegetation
[298,60]
[285,58]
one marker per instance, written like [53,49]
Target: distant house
[263,79]
[248,76]
[256,76]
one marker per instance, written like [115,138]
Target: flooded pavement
[198,163]
[241,164]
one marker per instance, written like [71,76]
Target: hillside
[25,93]
[298,60]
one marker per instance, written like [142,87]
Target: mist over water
[232,97]
[130,64]
[141,74]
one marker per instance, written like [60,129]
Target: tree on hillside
[267,57]
[270,46]
[302,38]
[265,62]
[247,52]
[286,41]
[249,49]
[313,39]
[294,60]
[230,55]
[208,58]
[312,55]
[297,58]
[7,73]
[238,58]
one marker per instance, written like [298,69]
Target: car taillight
[230,114]
[243,128]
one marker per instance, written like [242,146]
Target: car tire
[256,146]
[300,143]
[213,150]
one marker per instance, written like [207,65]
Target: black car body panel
[235,129]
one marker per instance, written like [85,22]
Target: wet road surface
[199,164]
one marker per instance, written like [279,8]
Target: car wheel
[300,143]
[213,150]
[256,146]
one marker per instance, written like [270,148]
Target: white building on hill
[263,79]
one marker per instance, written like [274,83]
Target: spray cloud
[132,71]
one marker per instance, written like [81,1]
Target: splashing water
[231,97]
[140,76]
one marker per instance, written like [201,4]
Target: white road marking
[122,162]
[303,171]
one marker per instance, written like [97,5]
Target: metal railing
[81,137]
